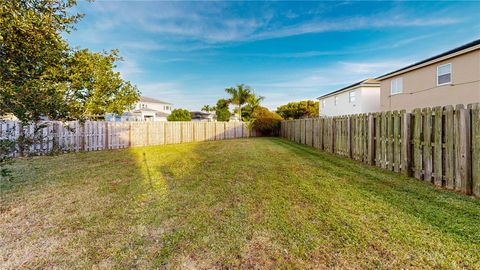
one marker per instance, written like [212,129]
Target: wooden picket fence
[102,135]
[440,145]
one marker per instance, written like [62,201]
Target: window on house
[352,96]
[444,74]
[323,103]
[396,86]
[335,100]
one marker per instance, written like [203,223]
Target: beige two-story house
[452,77]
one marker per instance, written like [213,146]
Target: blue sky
[187,53]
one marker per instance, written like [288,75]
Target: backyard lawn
[248,203]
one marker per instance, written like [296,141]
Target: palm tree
[208,108]
[253,102]
[239,96]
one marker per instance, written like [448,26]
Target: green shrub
[221,110]
[297,110]
[223,114]
[265,121]
[179,115]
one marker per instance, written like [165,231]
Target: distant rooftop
[152,100]
[367,82]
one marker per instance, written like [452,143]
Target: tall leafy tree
[297,110]
[222,111]
[32,56]
[239,96]
[94,88]
[41,76]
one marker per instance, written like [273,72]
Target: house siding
[420,85]
[161,107]
[367,100]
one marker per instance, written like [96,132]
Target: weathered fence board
[101,135]
[475,108]
[439,145]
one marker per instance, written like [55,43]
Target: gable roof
[464,47]
[367,82]
[152,100]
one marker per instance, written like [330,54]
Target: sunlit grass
[257,203]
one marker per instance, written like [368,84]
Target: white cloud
[210,23]
[366,68]
[128,68]
[356,23]
[312,83]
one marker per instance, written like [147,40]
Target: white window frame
[354,96]
[335,100]
[324,103]
[451,77]
[392,83]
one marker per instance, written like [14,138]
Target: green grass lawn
[249,203]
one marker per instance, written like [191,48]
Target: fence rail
[102,135]
[440,145]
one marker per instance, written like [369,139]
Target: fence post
[417,146]
[450,147]
[427,144]
[333,141]
[406,146]
[476,149]
[462,177]
[371,140]
[438,157]
[383,141]
[397,150]
[129,134]
[320,133]
[106,136]
[389,141]
[349,136]
[83,144]
[378,145]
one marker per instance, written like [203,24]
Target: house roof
[201,115]
[464,47]
[367,82]
[161,114]
[145,110]
[152,100]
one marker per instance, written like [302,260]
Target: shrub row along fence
[440,145]
[100,135]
